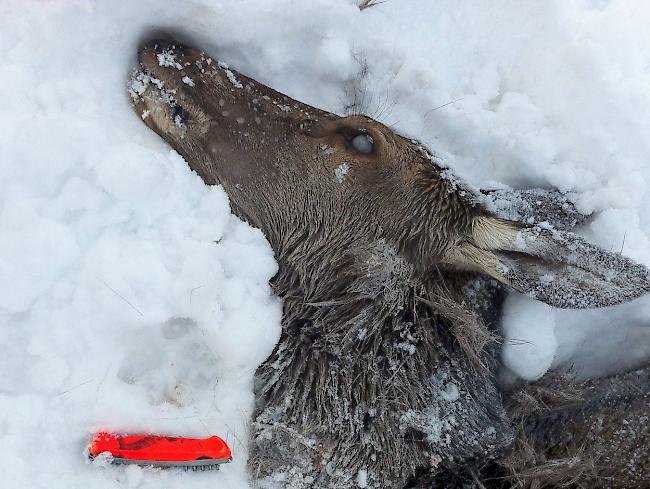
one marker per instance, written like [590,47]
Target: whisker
[441,106]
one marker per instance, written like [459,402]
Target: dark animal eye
[363,143]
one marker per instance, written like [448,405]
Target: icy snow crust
[130,298]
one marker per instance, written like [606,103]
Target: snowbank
[131,299]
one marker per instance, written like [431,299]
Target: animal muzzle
[163,88]
[186,93]
[231,129]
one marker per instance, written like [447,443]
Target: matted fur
[369,378]
[592,434]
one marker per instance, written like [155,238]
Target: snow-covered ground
[131,299]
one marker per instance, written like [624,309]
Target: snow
[168,59]
[341,171]
[132,300]
[362,479]
[450,392]
[531,343]
[230,75]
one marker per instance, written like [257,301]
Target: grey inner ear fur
[564,270]
[534,206]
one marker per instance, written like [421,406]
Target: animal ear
[555,267]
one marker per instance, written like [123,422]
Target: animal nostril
[161,45]
[178,113]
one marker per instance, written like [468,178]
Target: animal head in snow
[295,171]
[380,252]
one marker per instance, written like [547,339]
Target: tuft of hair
[587,435]
[556,390]
[466,325]
[370,3]
[531,469]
